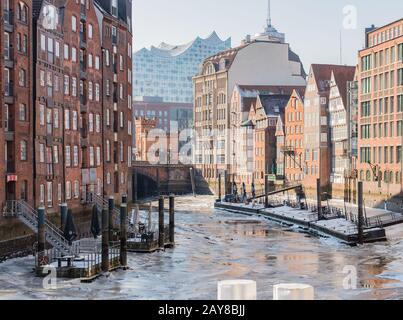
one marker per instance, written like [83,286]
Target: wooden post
[105,240]
[172,220]
[225,182]
[123,235]
[111,206]
[150,216]
[161,240]
[219,188]
[41,230]
[319,198]
[266,191]
[63,216]
[135,186]
[360,214]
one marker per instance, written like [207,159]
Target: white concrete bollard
[293,291]
[237,290]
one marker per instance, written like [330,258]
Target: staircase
[29,216]
[100,203]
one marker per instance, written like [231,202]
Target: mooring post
[172,220]
[63,216]
[105,240]
[123,235]
[150,216]
[161,239]
[360,214]
[219,188]
[41,230]
[266,191]
[319,198]
[111,206]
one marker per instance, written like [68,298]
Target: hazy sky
[312,27]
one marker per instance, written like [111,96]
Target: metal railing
[29,216]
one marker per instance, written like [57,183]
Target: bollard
[319,198]
[226,188]
[111,225]
[266,191]
[219,188]
[360,214]
[137,213]
[161,239]
[171,220]
[236,290]
[293,291]
[63,216]
[105,240]
[123,235]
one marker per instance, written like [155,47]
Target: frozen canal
[213,246]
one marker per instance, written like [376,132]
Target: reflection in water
[216,245]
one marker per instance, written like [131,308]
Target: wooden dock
[341,229]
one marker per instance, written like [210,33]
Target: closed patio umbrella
[95,228]
[70,232]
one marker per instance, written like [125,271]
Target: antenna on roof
[269,14]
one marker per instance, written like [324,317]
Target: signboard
[12,178]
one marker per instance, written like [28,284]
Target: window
[41,115]
[114,8]
[66,85]
[22,77]
[74,23]
[75,120]
[68,190]
[43,42]
[42,194]
[67,119]
[92,159]
[108,151]
[91,122]
[24,153]
[98,156]
[23,112]
[90,60]
[97,123]
[97,63]
[366,85]
[121,64]
[90,31]
[74,54]
[56,154]
[90,91]
[68,156]
[75,156]
[97,92]
[107,58]
[74,86]
[66,52]
[76,189]
[365,109]
[56,118]
[49,189]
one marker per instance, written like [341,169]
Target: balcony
[8,21]
[84,142]
[9,131]
[84,133]
[83,74]
[9,92]
[9,57]
[83,41]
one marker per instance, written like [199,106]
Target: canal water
[216,245]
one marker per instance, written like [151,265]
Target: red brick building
[66,84]
[291,151]
[116,40]
[17,104]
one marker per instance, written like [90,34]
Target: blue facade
[167,71]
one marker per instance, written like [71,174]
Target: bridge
[149,180]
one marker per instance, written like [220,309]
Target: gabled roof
[323,74]
[273,105]
[341,77]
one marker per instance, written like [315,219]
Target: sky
[312,27]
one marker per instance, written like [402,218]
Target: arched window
[368,175]
[398,178]
[22,12]
[23,147]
